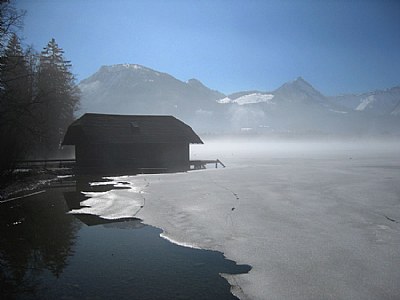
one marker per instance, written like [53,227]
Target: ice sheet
[114,204]
[321,222]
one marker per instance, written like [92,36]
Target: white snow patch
[365,102]
[64,176]
[114,204]
[115,184]
[225,100]
[128,66]
[254,98]
[249,99]
[183,244]
[338,111]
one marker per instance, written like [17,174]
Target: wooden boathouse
[107,143]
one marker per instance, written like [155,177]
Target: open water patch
[46,253]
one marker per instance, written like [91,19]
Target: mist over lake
[199,149]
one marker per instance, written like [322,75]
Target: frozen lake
[315,220]
[47,253]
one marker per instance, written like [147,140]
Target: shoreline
[23,183]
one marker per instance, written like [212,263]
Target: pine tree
[58,95]
[16,105]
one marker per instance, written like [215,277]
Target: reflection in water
[47,253]
[35,235]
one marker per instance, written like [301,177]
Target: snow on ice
[314,220]
[113,204]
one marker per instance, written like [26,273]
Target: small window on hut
[135,127]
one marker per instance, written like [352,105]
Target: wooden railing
[70,163]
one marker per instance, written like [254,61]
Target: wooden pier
[201,164]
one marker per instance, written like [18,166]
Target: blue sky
[338,46]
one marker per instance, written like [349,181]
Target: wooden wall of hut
[132,158]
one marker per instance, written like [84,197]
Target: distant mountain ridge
[296,106]
[135,89]
[381,102]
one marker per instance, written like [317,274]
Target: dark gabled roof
[128,129]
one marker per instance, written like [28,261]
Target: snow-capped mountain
[296,106]
[294,92]
[384,102]
[135,89]
[131,88]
